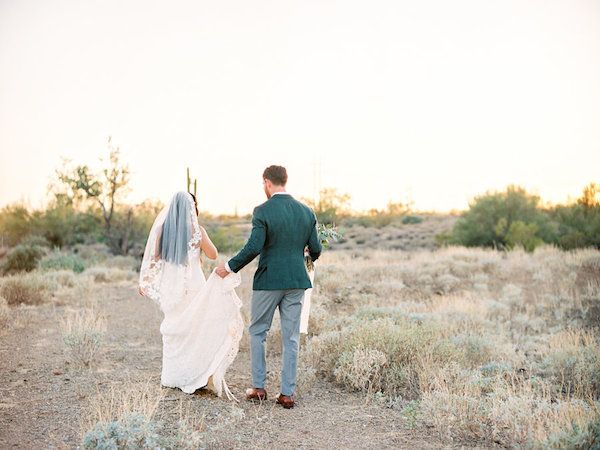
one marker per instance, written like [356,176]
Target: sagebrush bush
[23,258]
[133,431]
[62,261]
[30,289]
[83,332]
[409,350]
[361,369]
[573,362]
[576,437]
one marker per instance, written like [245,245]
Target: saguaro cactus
[189,183]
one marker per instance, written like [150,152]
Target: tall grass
[482,345]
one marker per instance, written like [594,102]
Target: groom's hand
[221,270]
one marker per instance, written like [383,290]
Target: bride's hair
[195,203]
[176,230]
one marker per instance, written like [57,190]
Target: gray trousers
[262,309]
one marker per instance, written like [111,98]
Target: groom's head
[274,179]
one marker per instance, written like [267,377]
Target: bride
[202,323]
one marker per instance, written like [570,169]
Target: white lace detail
[150,280]
[194,243]
[202,323]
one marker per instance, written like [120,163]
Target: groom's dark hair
[276,174]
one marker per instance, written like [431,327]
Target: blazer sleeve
[253,246]
[314,243]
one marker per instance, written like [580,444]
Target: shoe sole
[285,406]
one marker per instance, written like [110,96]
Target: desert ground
[407,348]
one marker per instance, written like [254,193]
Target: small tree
[331,206]
[503,220]
[102,189]
[590,198]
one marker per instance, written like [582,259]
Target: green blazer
[281,228]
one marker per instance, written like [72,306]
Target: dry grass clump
[502,408]
[573,362]
[488,346]
[109,274]
[28,288]
[395,355]
[83,331]
[134,415]
[121,399]
[123,417]
[4,312]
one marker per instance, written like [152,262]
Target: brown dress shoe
[287,401]
[256,394]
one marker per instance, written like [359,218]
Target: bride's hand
[141,292]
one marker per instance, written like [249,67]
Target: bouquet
[327,234]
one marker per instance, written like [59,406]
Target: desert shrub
[23,258]
[573,362]
[412,219]
[576,437]
[62,278]
[92,253]
[412,349]
[36,240]
[476,349]
[227,238]
[62,261]
[330,207]
[361,369]
[467,405]
[133,431]
[82,334]
[15,224]
[124,418]
[524,235]
[29,289]
[578,225]
[109,274]
[490,217]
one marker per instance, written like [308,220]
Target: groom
[281,229]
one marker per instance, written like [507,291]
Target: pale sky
[433,101]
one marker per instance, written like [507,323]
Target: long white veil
[202,323]
[173,243]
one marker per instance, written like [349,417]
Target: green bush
[15,224]
[412,219]
[134,431]
[62,261]
[23,258]
[228,239]
[503,220]
[578,226]
[521,234]
[37,241]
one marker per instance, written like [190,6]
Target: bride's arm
[207,245]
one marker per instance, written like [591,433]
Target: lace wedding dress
[202,323]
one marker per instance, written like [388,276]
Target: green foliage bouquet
[327,234]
